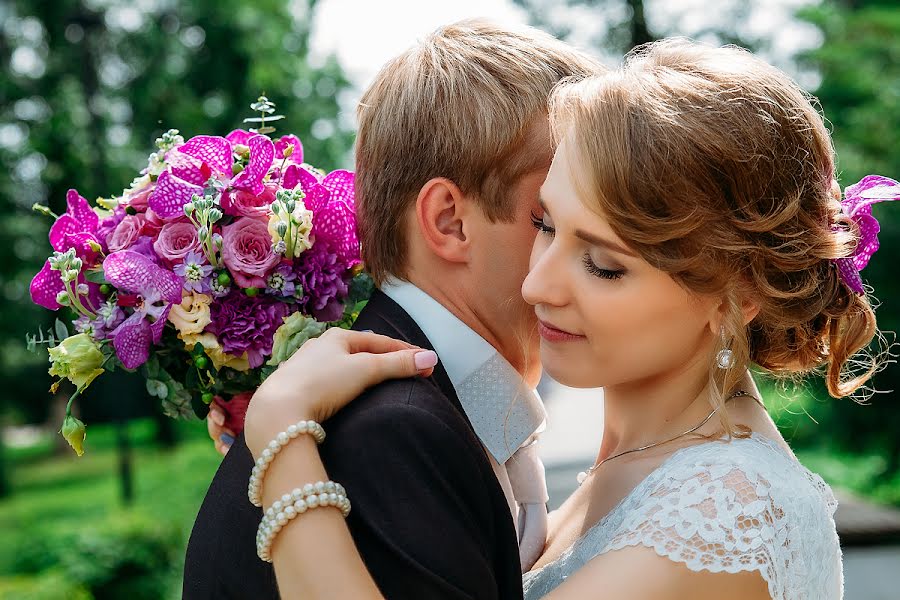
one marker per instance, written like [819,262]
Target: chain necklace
[585,474]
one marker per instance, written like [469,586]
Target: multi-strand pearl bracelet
[254,489]
[300,500]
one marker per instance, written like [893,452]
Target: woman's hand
[324,375]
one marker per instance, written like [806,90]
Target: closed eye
[602,273]
[542,227]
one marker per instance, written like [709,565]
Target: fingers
[217,415]
[222,438]
[360,341]
[395,365]
[224,441]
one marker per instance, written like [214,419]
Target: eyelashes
[596,271]
[538,224]
[587,262]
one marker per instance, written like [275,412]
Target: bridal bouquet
[213,267]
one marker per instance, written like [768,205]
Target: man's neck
[459,302]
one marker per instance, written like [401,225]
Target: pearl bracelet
[254,488]
[300,500]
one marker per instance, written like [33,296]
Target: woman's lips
[552,334]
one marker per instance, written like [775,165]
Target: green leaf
[96,276]
[261,120]
[62,332]
[157,388]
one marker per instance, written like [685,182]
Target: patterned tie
[529,486]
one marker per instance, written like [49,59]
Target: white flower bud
[82,289]
[62,298]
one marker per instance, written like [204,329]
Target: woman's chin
[568,369]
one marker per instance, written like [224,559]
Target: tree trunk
[639,32]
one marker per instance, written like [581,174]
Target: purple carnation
[244,324]
[321,275]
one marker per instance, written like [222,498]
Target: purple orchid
[156,288]
[77,229]
[332,202]
[205,156]
[281,281]
[195,271]
[857,206]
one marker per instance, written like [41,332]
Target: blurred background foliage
[88,85]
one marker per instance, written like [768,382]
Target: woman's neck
[640,413]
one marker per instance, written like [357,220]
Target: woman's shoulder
[749,469]
[744,504]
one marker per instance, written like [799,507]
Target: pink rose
[244,204]
[139,201]
[247,251]
[176,240]
[126,232]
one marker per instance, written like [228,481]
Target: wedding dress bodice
[723,506]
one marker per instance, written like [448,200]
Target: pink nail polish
[425,360]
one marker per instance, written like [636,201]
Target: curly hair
[716,168]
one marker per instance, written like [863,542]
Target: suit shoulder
[411,401]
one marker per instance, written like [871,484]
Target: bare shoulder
[639,573]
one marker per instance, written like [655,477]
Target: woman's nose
[546,280]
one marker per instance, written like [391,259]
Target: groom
[449,499]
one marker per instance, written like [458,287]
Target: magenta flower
[202,157]
[156,288]
[332,203]
[77,229]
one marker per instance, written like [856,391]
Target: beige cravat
[529,487]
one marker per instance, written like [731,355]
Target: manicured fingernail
[367,331]
[425,359]
[226,439]
[217,417]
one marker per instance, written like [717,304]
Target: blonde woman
[689,227]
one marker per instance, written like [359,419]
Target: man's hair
[457,105]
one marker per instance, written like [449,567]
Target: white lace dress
[743,505]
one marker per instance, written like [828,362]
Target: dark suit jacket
[429,516]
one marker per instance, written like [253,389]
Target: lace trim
[725,508]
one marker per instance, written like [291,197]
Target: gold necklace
[585,474]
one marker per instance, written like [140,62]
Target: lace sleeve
[719,518]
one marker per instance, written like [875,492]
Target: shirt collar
[503,410]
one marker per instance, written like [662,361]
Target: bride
[691,226]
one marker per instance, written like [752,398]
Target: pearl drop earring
[725,357]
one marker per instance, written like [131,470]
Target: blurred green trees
[859,66]
[86,88]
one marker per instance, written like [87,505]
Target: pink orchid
[156,289]
[205,156]
[857,205]
[332,202]
[76,228]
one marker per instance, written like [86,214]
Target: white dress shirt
[505,413]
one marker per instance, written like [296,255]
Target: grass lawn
[60,495]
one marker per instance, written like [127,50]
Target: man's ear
[441,211]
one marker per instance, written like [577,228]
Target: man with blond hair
[453,146]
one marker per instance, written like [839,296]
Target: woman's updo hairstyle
[718,169]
